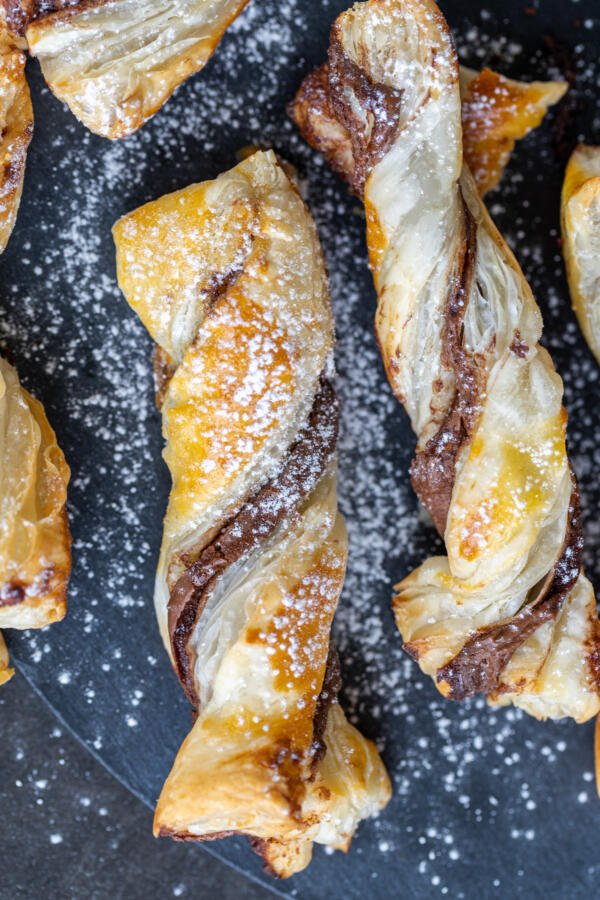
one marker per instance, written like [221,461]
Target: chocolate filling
[433,470]
[478,667]
[332,685]
[256,521]
[20,13]
[11,594]
[352,144]
[518,346]
[312,111]
[381,105]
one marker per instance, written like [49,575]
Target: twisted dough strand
[507,612]
[229,279]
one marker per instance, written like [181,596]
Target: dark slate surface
[68,829]
[482,798]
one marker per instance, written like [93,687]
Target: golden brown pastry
[35,560]
[507,612]
[115,62]
[496,113]
[16,129]
[580,219]
[229,278]
[6,673]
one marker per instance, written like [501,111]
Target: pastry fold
[229,278]
[115,62]
[507,612]
[580,220]
[35,559]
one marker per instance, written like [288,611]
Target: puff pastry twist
[229,279]
[508,611]
[115,62]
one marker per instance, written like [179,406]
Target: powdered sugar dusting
[470,783]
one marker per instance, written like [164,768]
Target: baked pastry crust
[496,113]
[580,220]
[115,62]
[35,559]
[229,278]
[16,129]
[507,612]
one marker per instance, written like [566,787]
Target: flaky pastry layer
[507,612]
[16,129]
[228,277]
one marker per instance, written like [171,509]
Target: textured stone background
[69,829]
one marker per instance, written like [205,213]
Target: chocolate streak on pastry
[163,365]
[258,518]
[380,103]
[324,96]
[11,594]
[434,467]
[20,13]
[478,667]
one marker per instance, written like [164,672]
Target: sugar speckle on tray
[462,773]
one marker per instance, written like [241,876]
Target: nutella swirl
[253,524]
